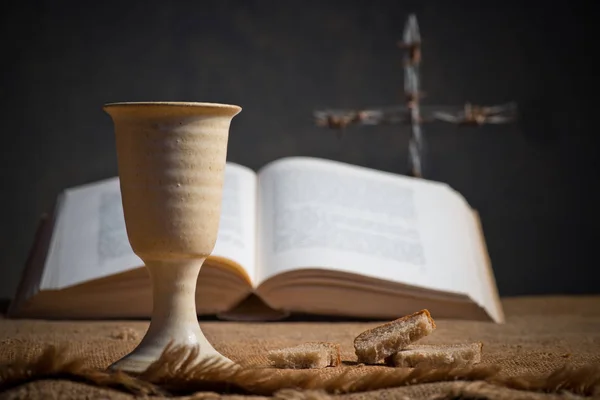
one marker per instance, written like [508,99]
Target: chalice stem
[174,315]
[174,319]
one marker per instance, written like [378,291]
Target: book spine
[29,284]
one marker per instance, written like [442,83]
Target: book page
[322,214]
[237,229]
[90,239]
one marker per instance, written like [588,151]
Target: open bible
[300,236]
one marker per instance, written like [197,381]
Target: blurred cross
[412,113]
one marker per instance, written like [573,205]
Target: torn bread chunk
[376,344]
[307,355]
[437,356]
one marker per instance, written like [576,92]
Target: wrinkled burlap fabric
[541,334]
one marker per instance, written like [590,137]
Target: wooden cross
[412,113]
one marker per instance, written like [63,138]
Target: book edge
[492,283]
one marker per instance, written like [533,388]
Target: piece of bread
[436,356]
[307,355]
[376,344]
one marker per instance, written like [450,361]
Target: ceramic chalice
[171,161]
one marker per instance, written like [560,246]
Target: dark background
[534,182]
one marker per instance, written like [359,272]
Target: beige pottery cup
[171,161]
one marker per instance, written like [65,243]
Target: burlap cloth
[540,335]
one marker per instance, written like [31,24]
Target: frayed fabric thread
[178,373]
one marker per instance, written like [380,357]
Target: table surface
[540,335]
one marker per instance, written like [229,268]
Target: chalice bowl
[171,161]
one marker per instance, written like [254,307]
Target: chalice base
[174,320]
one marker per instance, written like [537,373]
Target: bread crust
[375,344]
[307,356]
[437,356]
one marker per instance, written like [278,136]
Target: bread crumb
[125,334]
